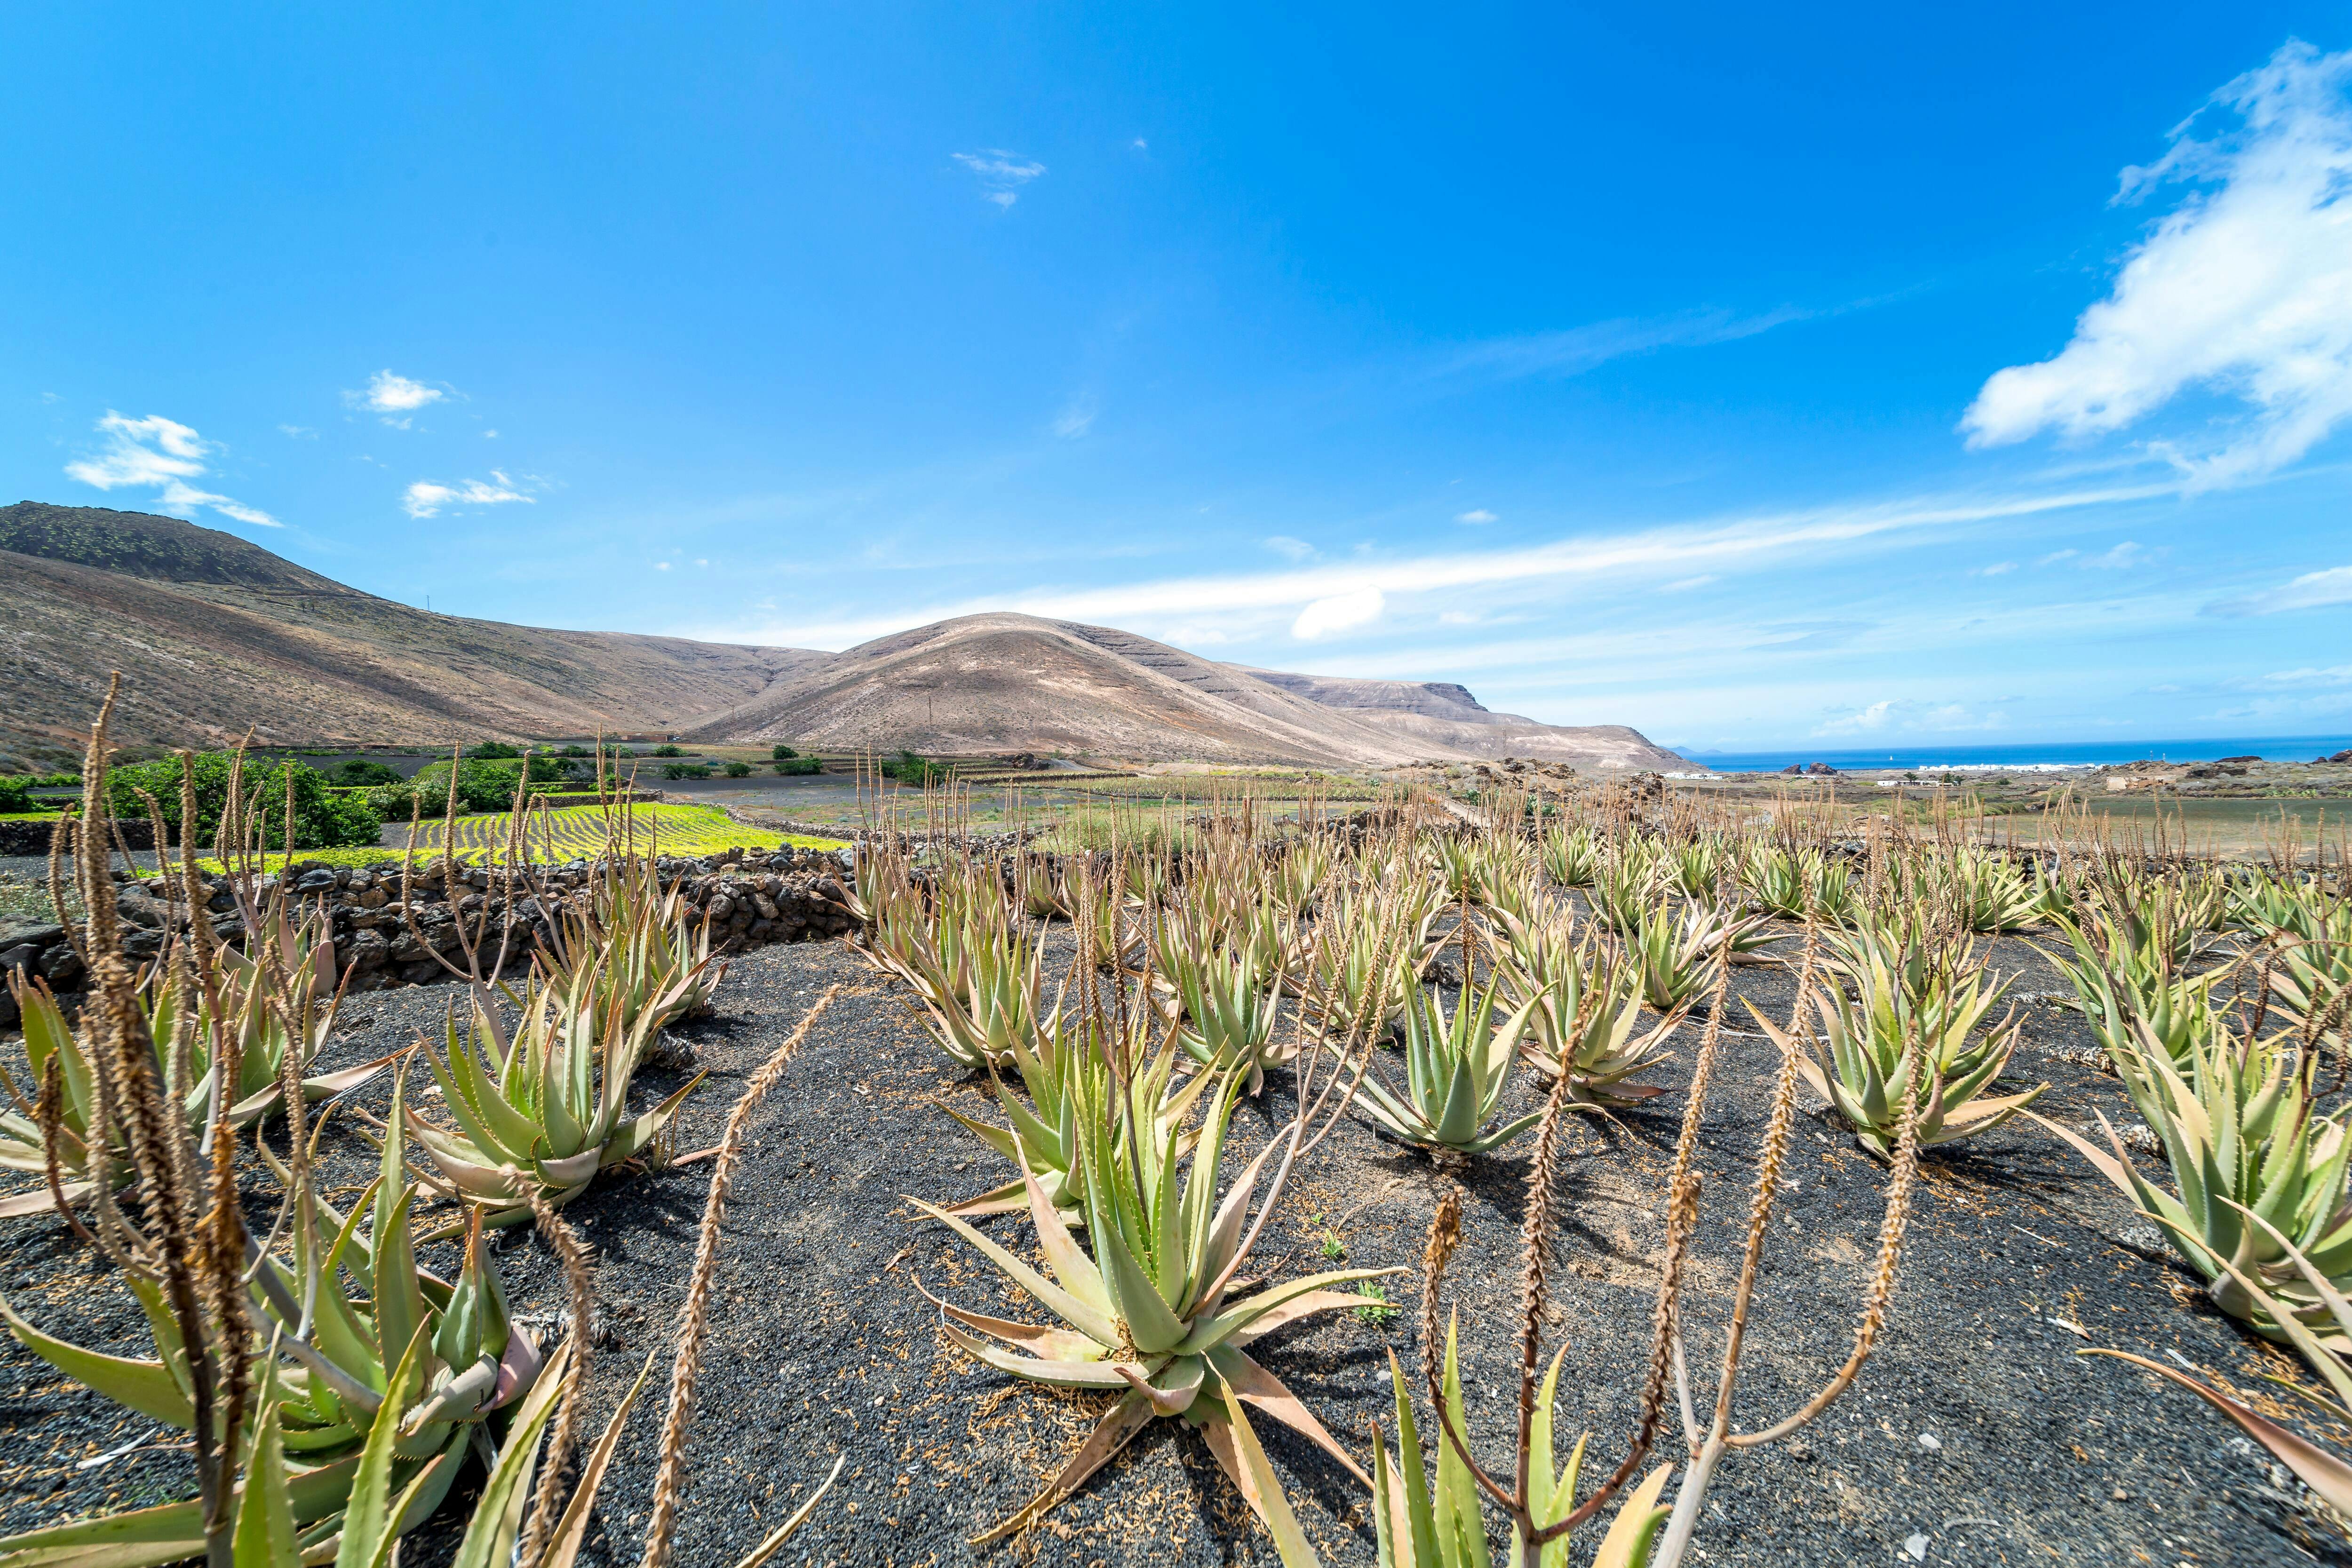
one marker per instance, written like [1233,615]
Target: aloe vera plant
[1230,1016]
[259,998]
[1066,1068]
[547,1109]
[1675,956]
[643,942]
[1587,1016]
[1457,1065]
[2121,986]
[2259,1175]
[1421,1527]
[1918,1030]
[1571,856]
[439,1357]
[1146,1316]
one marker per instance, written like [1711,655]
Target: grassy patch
[578,832]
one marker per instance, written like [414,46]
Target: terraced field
[578,832]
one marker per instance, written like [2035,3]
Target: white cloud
[300,432]
[162,455]
[1289,549]
[393,398]
[1141,146]
[2057,556]
[2312,591]
[1684,584]
[1075,421]
[661,565]
[1997,569]
[1001,174]
[1253,603]
[2245,289]
[1339,612]
[2122,558]
[425,498]
[1474,517]
[2334,675]
[489,435]
[1894,715]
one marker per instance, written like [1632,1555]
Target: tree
[322,819]
[783,753]
[492,751]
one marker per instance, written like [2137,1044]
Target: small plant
[783,753]
[1588,1008]
[1912,1036]
[668,750]
[1146,1316]
[540,1115]
[1456,1067]
[799,767]
[738,769]
[1377,1310]
[687,770]
[493,751]
[1446,1529]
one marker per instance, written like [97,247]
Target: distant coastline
[2018,758]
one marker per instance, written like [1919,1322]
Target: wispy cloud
[395,398]
[1573,351]
[1074,420]
[162,455]
[1001,174]
[1476,517]
[1261,603]
[428,498]
[1289,549]
[2312,591]
[2245,289]
[1997,569]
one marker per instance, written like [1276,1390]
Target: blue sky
[1751,377]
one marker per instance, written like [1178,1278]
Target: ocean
[2038,756]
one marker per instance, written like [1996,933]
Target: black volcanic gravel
[1977,1434]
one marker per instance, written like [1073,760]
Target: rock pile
[750,897]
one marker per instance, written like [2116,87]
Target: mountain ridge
[216,636]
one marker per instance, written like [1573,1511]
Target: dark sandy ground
[1977,1434]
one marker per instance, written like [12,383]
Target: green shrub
[783,753]
[16,796]
[576,752]
[686,771]
[360,771]
[492,751]
[481,786]
[909,768]
[738,769]
[667,751]
[797,766]
[322,819]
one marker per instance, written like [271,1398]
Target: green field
[579,832]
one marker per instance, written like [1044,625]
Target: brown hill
[216,635]
[1018,683]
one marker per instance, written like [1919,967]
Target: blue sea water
[2021,758]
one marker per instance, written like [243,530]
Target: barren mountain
[1010,682]
[214,635]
